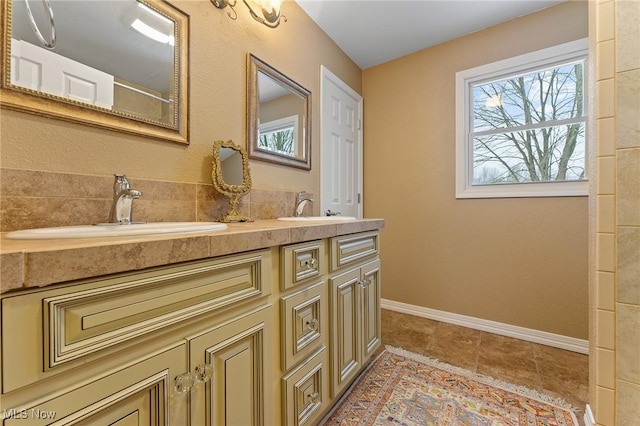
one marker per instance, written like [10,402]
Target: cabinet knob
[311,263]
[312,324]
[365,282]
[183,383]
[314,397]
[203,372]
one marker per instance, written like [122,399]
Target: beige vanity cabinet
[209,342]
[303,333]
[177,345]
[354,288]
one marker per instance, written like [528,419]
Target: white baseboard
[589,419]
[528,334]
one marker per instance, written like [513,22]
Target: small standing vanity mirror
[279,117]
[231,177]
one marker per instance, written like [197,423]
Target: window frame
[530,62]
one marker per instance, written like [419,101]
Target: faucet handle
[121,178]
[120,183]
[304,195]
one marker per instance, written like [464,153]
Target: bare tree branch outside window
[530,128]
[280,141]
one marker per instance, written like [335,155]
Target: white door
[341,149]
[40,69]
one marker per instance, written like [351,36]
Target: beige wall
[218,56]
[615,343]
[516,261]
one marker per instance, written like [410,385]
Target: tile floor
[554,371]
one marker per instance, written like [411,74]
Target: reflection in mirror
[231,165]
[279,117]
[231,177]
[126,59]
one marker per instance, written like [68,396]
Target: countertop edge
[32,264]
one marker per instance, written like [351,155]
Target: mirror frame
[232,192]
[254,66]
[44,104]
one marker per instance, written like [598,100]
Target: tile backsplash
[36,199]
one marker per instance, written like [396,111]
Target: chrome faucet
[302,199]
[123,197]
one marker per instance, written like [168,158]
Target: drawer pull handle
[312,324]
[183,383]
[314,397]
[311,263]
[203,372]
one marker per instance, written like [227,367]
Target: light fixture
[153,25]
[152,33]
[269,14]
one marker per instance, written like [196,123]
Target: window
[279,135]
[521,125]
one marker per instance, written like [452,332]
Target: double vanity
[261,323]
[254,323]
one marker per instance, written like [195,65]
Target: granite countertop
[38,263]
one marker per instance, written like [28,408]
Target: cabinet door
[345,329]
[242,368]
[371,327]
[141,394]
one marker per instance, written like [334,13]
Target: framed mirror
[121,64]
[231,177]
[279,117]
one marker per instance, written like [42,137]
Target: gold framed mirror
[121,65]
[231,177]
[278,117]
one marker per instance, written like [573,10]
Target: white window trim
[567,52]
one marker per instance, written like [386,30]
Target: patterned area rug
[403,388]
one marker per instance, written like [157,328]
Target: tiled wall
[32,199]
[617,316]
[604,404]
[628,211]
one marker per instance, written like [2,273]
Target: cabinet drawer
[139,394]
[347,249]
[44,330]
[301,262]
[304,323]
[305,391]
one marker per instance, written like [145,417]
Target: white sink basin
[96,231]
[318,218]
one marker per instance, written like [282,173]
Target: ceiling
[372,32]
[369,31]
